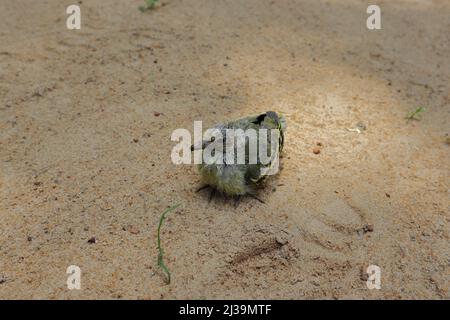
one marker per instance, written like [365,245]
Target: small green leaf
[414,115]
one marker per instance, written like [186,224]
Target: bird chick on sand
[226,173]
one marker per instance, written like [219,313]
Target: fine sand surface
[85,123]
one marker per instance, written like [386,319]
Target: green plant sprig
[414,115]
[160,249]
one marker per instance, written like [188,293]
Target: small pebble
[316,150]
[361,126]
[133,230]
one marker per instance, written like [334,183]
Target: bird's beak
[199,146]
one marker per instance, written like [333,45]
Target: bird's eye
[213,139]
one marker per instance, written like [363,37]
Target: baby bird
[237,179]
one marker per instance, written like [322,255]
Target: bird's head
[275,120]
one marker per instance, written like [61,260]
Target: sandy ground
[85,124]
